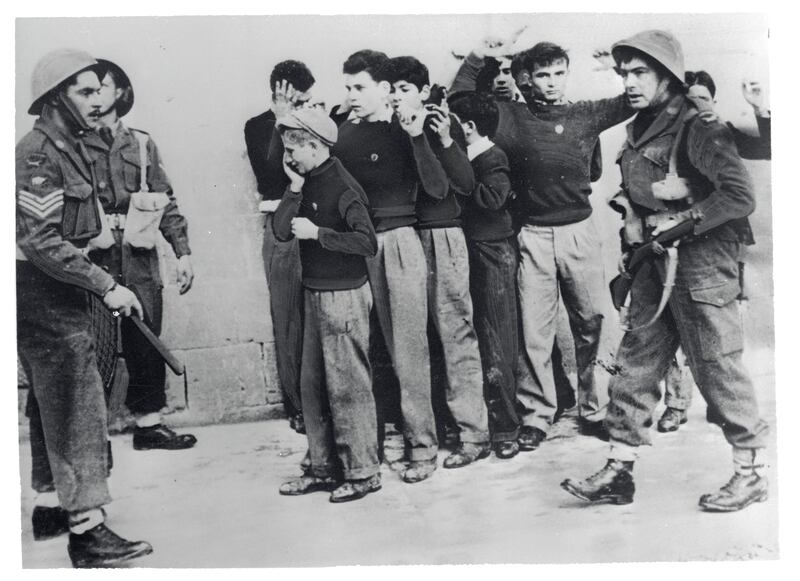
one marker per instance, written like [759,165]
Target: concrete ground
[217,505]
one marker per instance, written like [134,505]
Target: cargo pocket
[716,319]
[80,218]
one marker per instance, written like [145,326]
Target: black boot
[160,437]
[614,483]
[102,547]
[49,522]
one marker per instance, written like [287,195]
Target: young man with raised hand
[439,229]
[392,161]
[550,142]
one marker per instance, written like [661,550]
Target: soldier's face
[644,86]
[550,82]
[109,93]
[85,96]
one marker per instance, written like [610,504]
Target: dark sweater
[485,214]
[549,149]
[752,146]
[391,167]
[435,212]
[337,204]
[265,151]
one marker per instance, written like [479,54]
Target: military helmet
[659,45]
[53,69]
[121,79]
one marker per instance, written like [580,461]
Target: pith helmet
[659,45]
[53,69]
[125,102]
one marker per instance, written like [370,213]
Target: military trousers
[55,346]
[493,286]
[559,262]
[398,277]
[703,319]
[336,384]
[284,279]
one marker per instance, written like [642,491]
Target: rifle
[621,285]
[153,339]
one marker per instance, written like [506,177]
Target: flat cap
[316,122]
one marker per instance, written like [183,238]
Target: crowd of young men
[406,215]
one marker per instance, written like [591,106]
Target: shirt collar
[480,146]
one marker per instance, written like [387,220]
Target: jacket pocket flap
[131,157]
[80,191]
[718,295]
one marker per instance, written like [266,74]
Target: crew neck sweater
[549,148]
[334,201]
[265,152]
[391,167]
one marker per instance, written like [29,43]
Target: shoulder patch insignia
[36,159]
[38,181]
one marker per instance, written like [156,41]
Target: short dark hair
[543,54]
[371,61]
[406,68]
[625,54]
[476,107]
[295,72]
[703,79]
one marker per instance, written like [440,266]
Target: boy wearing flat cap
[326,209]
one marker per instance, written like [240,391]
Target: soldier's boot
[102,547]
[49,522]
[745,487]
[613,483]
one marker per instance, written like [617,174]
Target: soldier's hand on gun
[753,93]
[304,229]
[295,179]
[122,299]
[185,274]
[440,121]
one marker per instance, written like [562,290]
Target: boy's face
[302,158]
[406,96]
[701,92]
[366,97]
[503,84]
[550,82]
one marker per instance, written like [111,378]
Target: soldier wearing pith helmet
[56,216]
[683,183]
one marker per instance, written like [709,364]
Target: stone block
[223,379]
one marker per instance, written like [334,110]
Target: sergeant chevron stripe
[40,206]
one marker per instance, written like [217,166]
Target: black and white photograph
[325,290]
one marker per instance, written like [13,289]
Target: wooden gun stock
[165,353]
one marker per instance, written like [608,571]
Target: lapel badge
[559,129]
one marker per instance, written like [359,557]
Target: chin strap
[72,118]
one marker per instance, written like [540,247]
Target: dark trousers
[138,270]
[284,278]
[55,345]
[493,286]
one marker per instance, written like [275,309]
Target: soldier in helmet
[56,216]
[708,200]
[119,153]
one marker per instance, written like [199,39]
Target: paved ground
[218,506]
